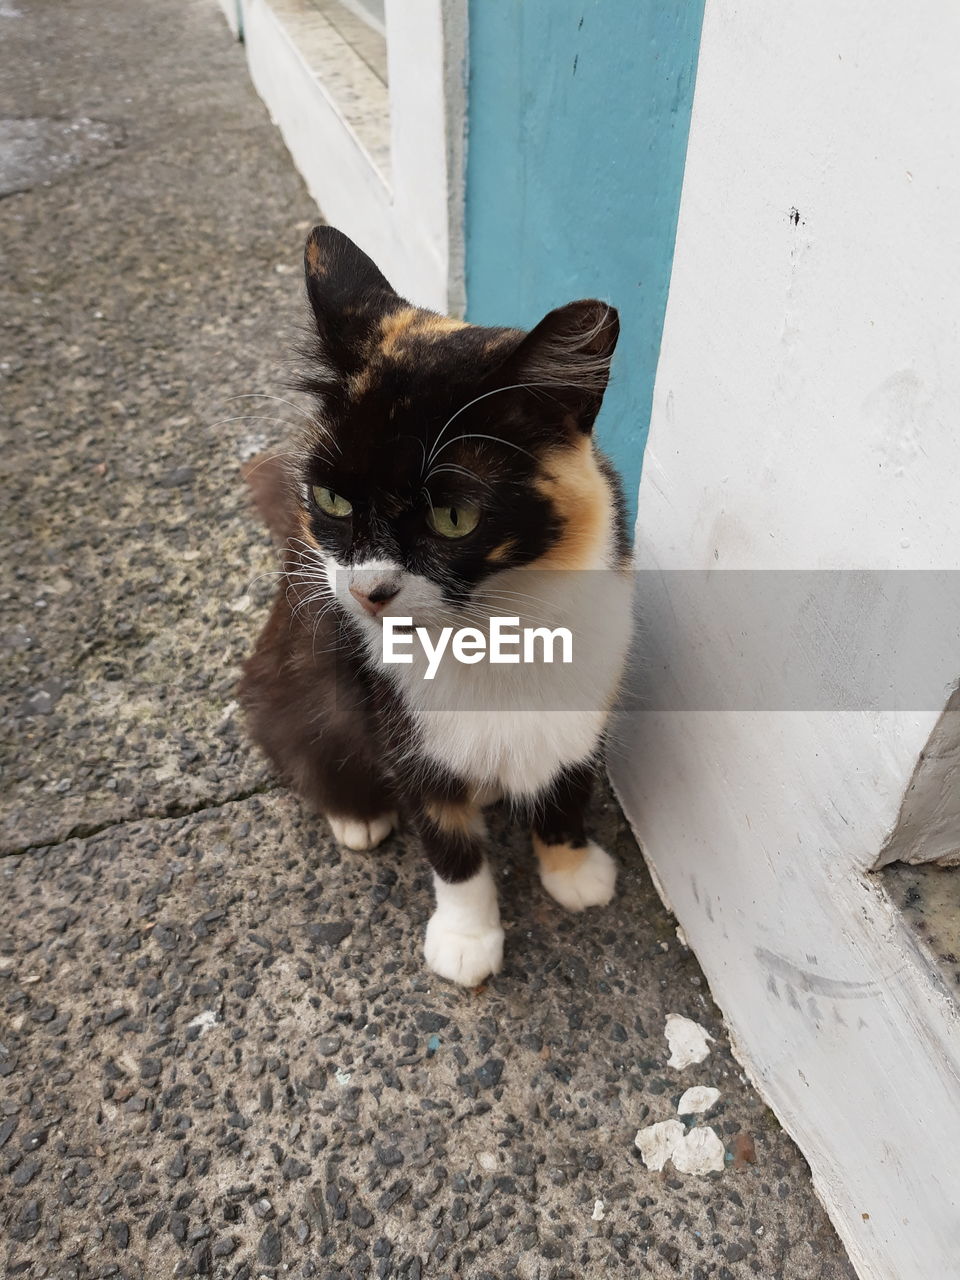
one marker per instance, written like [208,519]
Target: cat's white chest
[514,753]
[510,729]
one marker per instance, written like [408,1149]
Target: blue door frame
[577,135]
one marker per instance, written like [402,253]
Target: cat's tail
[273,491]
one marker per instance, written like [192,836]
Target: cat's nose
[374,598]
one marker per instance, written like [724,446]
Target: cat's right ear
[346,289]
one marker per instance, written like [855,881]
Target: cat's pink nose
[376,599]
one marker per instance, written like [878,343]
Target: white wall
[410,219]
[805,417]
[231,11]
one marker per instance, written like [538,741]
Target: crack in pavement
[84,830]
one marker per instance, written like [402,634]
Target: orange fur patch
[361,382]
[575,485]
[498,554]
[558,857]
[460,818]
[410,324]
[313,259]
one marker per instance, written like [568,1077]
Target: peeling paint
[657,1141]
[688,1041]
[698,1100]
[699,1152]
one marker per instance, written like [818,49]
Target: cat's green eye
[330,503]
[454,522]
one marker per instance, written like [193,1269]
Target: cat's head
[446,455]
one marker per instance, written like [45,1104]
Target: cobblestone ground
[220,1053]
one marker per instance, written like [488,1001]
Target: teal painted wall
[577,134]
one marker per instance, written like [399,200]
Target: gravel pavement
[220,1053]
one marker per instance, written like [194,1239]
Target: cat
[449,475]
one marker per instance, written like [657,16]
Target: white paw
[466,958]
[355,834]
[591,884]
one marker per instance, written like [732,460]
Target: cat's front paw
[578,883]
[466,958]
[359,834]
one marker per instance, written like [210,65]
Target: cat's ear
[567,358]
[346,289]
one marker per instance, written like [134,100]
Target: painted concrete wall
[578,117]
[805,417]
[410,218]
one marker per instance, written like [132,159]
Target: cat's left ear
[346,290]
[567,356]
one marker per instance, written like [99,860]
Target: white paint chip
[697,1100]
[688,1041]
[597,1215]
[657,1141]
[204,1021]
[699,1152]
[487,1160]
[342,1077]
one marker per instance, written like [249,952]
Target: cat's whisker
[452,466]
[517,386]
[263,395]
[478,435]
[266,458]
[246,417]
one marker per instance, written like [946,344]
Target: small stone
[26,1172]
[155,1223]
[331,933]
[744,1151]
[670,1254]
[488,1075]
[269,1250]
[329,1045]
[224,1247]
[121,1234]
[428,1020]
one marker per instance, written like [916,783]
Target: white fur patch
[591,884]
[464,940]
[353,833]
[511,727]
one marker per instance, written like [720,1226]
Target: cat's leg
[464,940]
[575,871]
[345,784]
[314,727]
[362,833]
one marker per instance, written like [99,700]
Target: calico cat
[449,476]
